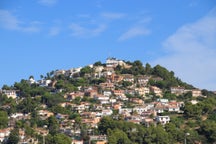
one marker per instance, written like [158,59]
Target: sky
[38,36]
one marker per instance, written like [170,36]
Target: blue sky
[38,36]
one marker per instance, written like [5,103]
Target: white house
[107,112]
[163,119]
[125,110]
[107,93]
[196,92]
[10,93]
[4,133]
[140,109]
[110,62]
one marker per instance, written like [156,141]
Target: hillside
[113,102]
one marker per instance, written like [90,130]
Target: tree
[53,125]
[27,105]
[148,69]
[156,135]
[208,128]
[175,134]
[31,77]
[98,63]
[105,123]
[86,70]
[77,122]
[3,119]
[192,110]
[6,87]
[61,139]
[48,139]
[118,137]
[13,137]
[126,83]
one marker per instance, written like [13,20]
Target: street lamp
[185,140]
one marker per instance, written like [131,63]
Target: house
[130,91]
[91,122]
[98,71]
[162,119]
[20,116]
[123,98]
[157,91]
[125,111]
[86,105]
[98,107]
[107,112]
[112,100]
[59,72]
[4,133]
[159,107]
[88,114]
[41,131]
[162,100]
[72,71]
[108,71]
[140,109]
[142,80]
[148,121]
[107,86]
[80,108]
[173,107]
[16,115]
[62,116]
[102,99]
[45,83]
[22,134]
[116,106]
[114,78]
[196,92]
[77,142]
[73,95]
[65,104]
[137,101]
[101,142]
[142,91]
[44,114]
[148,113]
[99,138]
[107,93]
[118,92]
[10,93]
[177,90]
[90,92]
[128,77]
[31,80]
[113,62]
[193,102]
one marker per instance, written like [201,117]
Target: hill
[116,102]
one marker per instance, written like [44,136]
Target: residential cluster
[121,96]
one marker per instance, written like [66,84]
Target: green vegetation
[73,96]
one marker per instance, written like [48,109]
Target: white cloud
[10,22]
[54,31]
[139,29]
[47,2]
[111,15]
[191,52]
[81,31]
[134,32]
